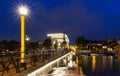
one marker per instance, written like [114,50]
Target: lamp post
[27,39]
[23,12]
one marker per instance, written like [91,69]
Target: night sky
[94,19]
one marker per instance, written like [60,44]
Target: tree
[47,43]
[32,46]
[10,45]
[13,45]
[4,45]
[81,42]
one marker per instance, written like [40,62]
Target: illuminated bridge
[59,38]
[38,62]
[62,60]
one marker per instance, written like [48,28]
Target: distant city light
[104,47]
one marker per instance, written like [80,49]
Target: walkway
[33,60]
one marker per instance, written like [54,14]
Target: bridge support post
[57,63]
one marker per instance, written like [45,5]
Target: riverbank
[117,56]
[100,65]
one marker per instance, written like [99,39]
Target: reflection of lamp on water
[93,63]
[23,12]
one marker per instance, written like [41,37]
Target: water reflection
[100,65]
[93,63]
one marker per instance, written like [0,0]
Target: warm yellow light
[23,10]
[22,38]
[93,63]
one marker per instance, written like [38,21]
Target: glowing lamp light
[23,10]
[27,39]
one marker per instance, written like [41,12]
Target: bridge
[59,38]
[49,66]
[37,62]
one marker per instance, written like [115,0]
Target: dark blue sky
[94,19]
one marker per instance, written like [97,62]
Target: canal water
[100,65]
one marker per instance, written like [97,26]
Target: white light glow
[23,10]
[70,64]
[48,64]
[27,39]
[59,71]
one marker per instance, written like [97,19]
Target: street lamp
[23,12]
[27,38]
